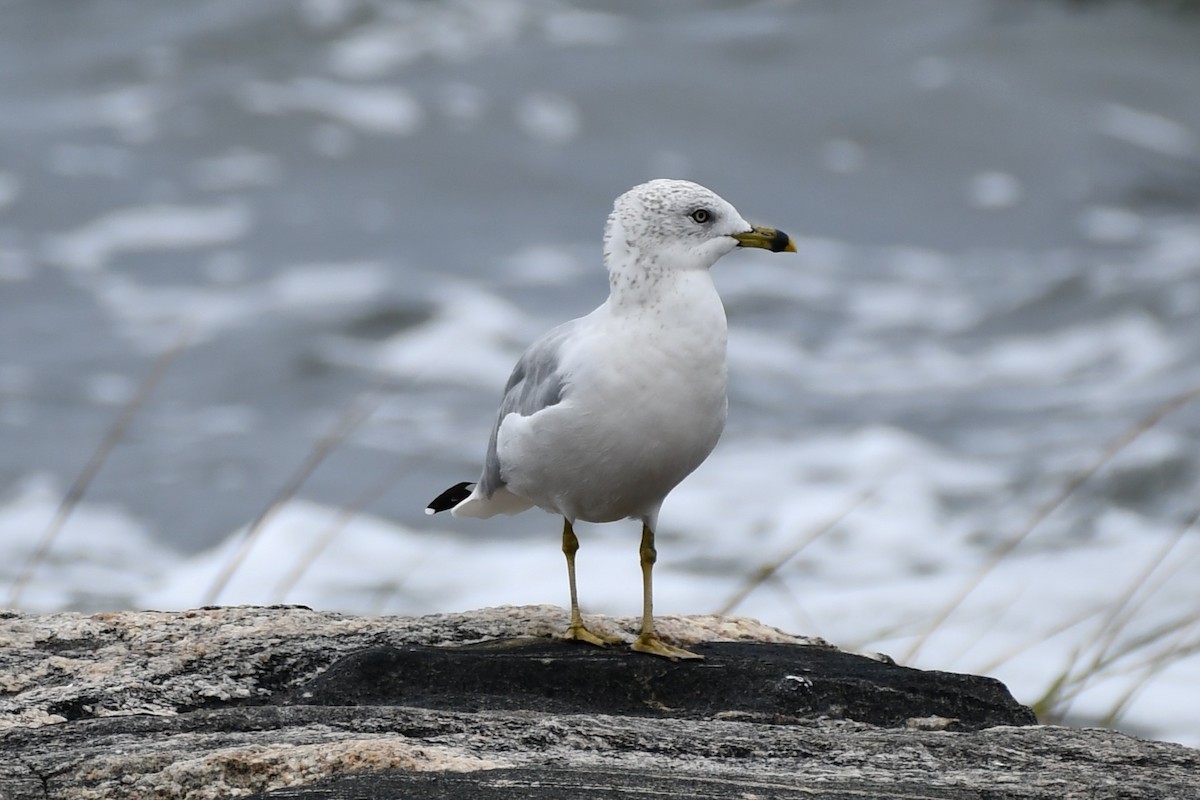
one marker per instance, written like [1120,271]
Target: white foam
[130,111]
[365,564]
[101,558]
[932,72]
[766,354]
[474,338]
[911,305]
[1110,225]
[239,168]
[314,288]
[109,388]
[1174,252]
[800,486]
[153,316]
[451,32]
[993,190]
[1129,347]
[371,51]
[457,33]
[140,228]
[378,110]
[549,117]
[1148,130]
[544,265]
[10,189]
[843,156]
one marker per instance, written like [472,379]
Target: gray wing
[535,383]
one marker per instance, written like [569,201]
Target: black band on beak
[779,242]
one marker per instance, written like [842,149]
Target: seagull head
[669,224]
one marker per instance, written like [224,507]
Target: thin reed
[1111,649]
[108,443]
[355,415]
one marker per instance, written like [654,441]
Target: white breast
[644,406]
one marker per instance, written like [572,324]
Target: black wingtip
[450,498]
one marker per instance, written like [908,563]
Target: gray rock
[292,703]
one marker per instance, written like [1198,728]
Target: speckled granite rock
[288,702]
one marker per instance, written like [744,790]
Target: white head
[670,225]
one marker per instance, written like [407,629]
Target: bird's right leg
[648,641]
[576,631]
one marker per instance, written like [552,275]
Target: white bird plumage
[606,414]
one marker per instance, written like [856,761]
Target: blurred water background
[334,209]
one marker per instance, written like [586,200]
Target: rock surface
[291,703]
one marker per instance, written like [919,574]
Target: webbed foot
[650,643]
[578,633]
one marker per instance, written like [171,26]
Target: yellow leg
[648,641]
[576,631]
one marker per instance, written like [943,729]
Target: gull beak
[767,238]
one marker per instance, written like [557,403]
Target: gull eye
[700,216]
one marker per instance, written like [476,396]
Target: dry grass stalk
[79,488]
[335,528]
[768,571]
[1116,446]
[355,415]
[1056,701]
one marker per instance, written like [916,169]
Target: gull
[604,415]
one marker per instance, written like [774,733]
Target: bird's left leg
[648,641]
[576,631]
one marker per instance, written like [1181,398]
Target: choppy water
[334,200]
